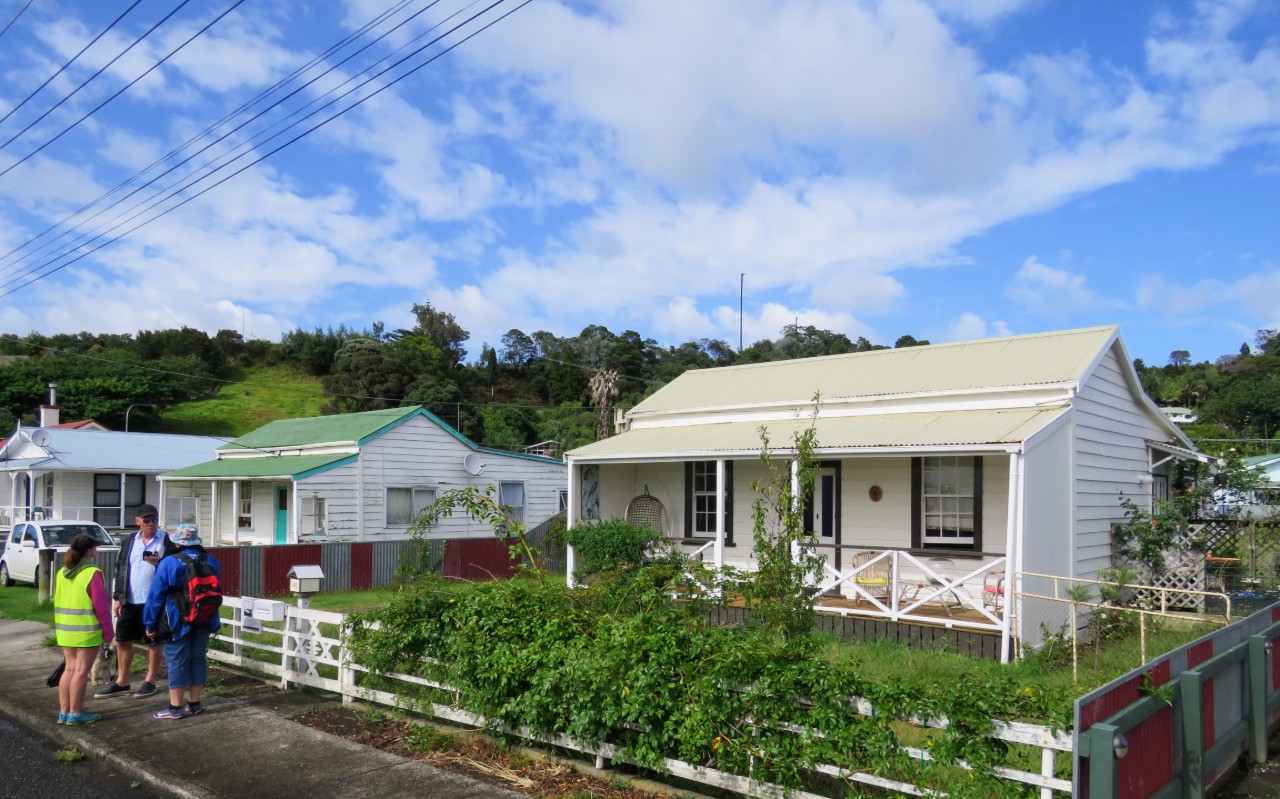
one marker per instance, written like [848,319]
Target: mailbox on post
[305,581]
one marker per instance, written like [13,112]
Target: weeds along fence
[307,649]
[1065,617]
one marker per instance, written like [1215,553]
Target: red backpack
[199,595]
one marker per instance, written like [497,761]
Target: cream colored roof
[1039,359]
[899,430]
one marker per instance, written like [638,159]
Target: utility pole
[742,281]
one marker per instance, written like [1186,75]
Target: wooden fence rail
[311,652]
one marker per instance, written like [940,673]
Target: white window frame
[419,499]
[948,497]
[506,495]
[705,497]
[244,513]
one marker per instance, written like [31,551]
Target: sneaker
[168,714]
[114,689]
[192,710]
[146,689]
[62,718]
[74,719]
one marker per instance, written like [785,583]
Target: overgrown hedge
[619,662]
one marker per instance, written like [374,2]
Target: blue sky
[949,169]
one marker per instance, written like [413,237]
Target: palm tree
[604,387]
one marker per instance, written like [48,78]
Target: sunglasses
[150,519]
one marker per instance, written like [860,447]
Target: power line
[51,269]
[205,168]
[276,387]
[15,17]
[127,86]
[64,67]
[207,131]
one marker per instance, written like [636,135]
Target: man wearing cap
[187,647]
[135,569]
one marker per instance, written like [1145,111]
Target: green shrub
[610,544]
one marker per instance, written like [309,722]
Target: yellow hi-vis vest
[74,621]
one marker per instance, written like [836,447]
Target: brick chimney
[51,414]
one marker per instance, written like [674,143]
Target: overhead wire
[50,269]
[67,65]
[206,166]
[126,87]
[273,386]
[208,130]
[15,17]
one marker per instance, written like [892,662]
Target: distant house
[945,472]
[1269,466]
[76,471]
[1179,415]
[357,476]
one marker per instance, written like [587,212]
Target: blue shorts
[186,659]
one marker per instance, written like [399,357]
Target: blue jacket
[171,574]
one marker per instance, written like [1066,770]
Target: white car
[22,549]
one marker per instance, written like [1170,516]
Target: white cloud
[1044,291]
[968,326]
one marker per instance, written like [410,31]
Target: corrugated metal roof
[288,466]
[112,450]
[322,429]
[899,430]
[1039,359]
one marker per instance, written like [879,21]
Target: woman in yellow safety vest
[81,623]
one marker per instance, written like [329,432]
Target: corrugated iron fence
[1177,726]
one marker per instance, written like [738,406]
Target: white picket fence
[303,649]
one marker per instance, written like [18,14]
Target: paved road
[28,769]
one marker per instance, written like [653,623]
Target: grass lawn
[19,602]
[271,393]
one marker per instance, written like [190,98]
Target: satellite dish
[472,463]
[41,438]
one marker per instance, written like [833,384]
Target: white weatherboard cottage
[353,477]
[945,470]
[89,474]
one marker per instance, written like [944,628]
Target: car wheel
[5,579]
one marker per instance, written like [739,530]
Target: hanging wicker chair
[646,511]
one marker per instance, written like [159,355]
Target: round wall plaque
[876,493]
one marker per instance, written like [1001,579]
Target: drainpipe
[1011,551]
[213,510]
[297,515]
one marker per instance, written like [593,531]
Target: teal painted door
[282,514]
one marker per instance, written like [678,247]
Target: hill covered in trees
[523,389]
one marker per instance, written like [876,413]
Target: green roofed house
[356,476]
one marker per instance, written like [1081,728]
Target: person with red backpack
[183,607]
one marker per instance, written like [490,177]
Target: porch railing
[905,586]
[107,515]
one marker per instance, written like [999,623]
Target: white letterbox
[268,610]
[305,579]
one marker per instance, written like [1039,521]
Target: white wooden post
[571,516]
[296,515]
[721,493]
[214,515]
[795,501]
[359,498]
[235,512]
[123,520]
[1010,548]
